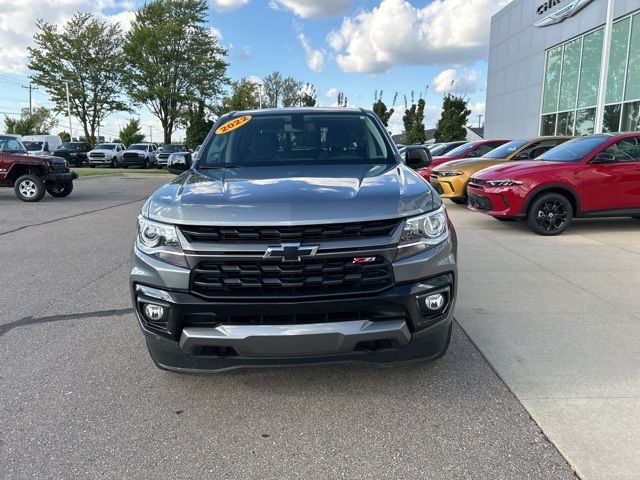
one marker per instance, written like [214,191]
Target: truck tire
[114,162]
[60,190]
[29,188]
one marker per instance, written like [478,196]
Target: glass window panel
[632,91]
[552,80]
[585,121]
[548,126]
[590,69]
[565,123]
[611,120]
[618,60]
[631,117]
[570,69]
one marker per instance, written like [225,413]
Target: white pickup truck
[106,154]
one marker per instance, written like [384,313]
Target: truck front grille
[303,233]
[59,168]
[272,278]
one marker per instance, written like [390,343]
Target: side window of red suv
[627,150]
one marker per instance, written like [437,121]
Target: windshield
[10,144]
[459,151]
[307,138]
[72,146]
[574,150]
[33,146]
[505,150]
[440,150]
[174,148]
[106,146]
[137,147]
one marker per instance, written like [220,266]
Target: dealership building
[545,62]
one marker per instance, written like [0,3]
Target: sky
[358,47]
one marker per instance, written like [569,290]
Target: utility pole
[150,134]
[69,112]
[604,69]
[480,120]
[260,94]
[30,88]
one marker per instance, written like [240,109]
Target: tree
[64,136]
[281,91]
[244,96]
[451,126]
[130,133]
[308,96]
[198,125]
[380,108]
[417,135]
[86,54]
[173,60]
[291,91]
[341,100]
[40,121]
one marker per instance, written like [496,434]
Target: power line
[31,88]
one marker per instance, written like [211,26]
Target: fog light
[434,302]
[153,312]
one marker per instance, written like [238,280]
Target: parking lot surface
[80,398]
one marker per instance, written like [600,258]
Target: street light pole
[69,113]
[604,69]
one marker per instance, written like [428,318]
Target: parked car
[592,176]
[466,150]
[308,241]
[140,155]
[31,176]
[73,152]
[450,179]
[106,154]
[41,144]
[166,150]
[442,148]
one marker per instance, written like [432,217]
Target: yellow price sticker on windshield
[233,124]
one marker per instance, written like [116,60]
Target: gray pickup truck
[299,236]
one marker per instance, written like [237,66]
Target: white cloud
[445,32]
[216,33]
[458,81]
[312,8]
[476,109]
[228,5]
[245,53]
[255,79]
[315,58]
[18,23]
[331,93]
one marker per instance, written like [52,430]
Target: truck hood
[291,195]
[520,169]
[103,150]
[40,158]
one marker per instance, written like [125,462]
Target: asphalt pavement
[80,398]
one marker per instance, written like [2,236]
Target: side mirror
[604,157]
[178,163]
[417,156]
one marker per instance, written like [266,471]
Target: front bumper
[54,178]
[505,202]
[450,187]
[390,327]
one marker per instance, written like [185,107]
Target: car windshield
[106,146]
[505,150]
[574,150]
[12,145]
[137,147]
[297,138]
[440,150]
[33,146]
[174,148]
[461,150]
[71,146]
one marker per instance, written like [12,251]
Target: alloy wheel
[28,189]
[552,215]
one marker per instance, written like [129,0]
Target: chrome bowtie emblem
[291,252]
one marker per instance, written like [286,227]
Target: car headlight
[141,154]
[448,173]
[422,232]
[160,241]
[503,183]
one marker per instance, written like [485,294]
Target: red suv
[592,176]
[466,150]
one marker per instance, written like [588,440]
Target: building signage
[559,15]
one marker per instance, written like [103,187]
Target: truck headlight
[422,232]
[160,241]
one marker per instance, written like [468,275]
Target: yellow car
[450,179]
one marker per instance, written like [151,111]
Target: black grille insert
[274,278]
[480,202]
[303,233]
[59,168]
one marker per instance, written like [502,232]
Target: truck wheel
[29,188]
[114,162]
[550,214]
[60,190]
